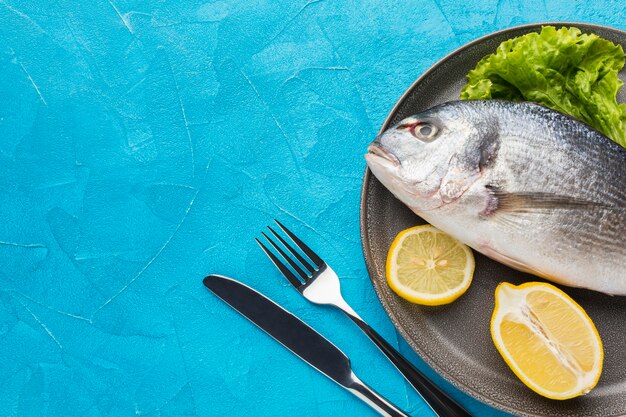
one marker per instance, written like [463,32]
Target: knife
[299,338]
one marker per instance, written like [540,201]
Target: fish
[525,185]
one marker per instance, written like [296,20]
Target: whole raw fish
[525,185]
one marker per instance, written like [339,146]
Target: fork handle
[440,402]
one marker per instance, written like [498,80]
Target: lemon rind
[422,297]
[583,386]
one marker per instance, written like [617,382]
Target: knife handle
[373,399]
[442,404]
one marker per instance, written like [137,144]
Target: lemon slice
[547,339]
[427,266]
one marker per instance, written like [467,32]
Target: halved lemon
[427,266]
[547,339]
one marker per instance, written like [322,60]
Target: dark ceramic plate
[454,339]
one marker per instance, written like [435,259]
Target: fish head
[430,159]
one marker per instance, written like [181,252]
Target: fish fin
[511,222]
[526,202]
[512,262]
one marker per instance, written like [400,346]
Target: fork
[319,284]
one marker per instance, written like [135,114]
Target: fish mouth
[377,150]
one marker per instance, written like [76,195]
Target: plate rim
[364,232]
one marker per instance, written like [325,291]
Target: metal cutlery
[318,283]
[299,338]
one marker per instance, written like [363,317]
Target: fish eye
[424,131]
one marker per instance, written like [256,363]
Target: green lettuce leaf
[563,69]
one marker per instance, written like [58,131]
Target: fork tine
[304,248]
[286,257]
[281,266]
[295,253]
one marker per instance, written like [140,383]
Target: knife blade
[298,337]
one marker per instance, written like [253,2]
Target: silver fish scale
[573,159]
[543,151]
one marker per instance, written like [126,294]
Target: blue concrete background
[143,144]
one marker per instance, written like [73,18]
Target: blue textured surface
[144,145]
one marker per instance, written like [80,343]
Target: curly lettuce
[563,69]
